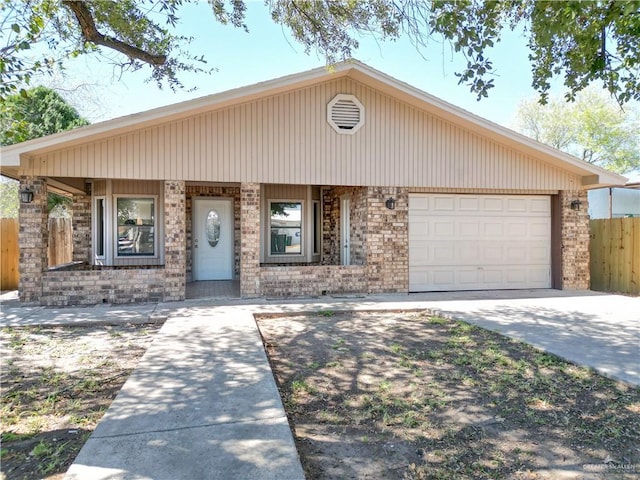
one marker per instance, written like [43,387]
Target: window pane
[213,228]
[286,228]
[136,230]
[317,228]
[100,227]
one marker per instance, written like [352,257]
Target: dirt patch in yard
[410,396]
[56,385]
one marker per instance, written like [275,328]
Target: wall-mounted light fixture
[575,204]
[26,195]
[390,203]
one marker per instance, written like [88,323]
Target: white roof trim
[10,156]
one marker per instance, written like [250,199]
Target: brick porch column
[387,240]
[175,240]
[81,222]
[250,240]
[33,240]
[575,241]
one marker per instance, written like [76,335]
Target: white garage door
[478,242]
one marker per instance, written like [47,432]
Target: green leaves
[35,113]
[582,42]
[593,128]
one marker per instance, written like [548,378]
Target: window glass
[136,229]
[100,228]
[317,228]
[213,228]
[286,228]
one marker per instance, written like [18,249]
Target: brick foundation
[108,285]
[312,280]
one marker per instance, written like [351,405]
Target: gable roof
[592,175]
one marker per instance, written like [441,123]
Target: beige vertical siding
[127,187]
[286,139]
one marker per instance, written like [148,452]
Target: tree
[35,113]
[32,114]
[593,128]
[9,198]
[581,41]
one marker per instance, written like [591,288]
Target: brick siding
[575,241]
[250,240]
[312,280]
[379,248]
[81,227]
[33,238]
[103,285]
[175,240]
[387,240]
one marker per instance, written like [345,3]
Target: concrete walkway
[203,403]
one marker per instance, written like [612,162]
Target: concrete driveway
[593,329]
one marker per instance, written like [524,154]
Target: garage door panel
[538,276]
[540,229]
[492,229]
[492,204]
[469,204]
[539,205]
[517,205]
[443,229]
[443,203]
[468,229]
[461,242]
[443,255]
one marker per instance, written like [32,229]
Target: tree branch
[91,34]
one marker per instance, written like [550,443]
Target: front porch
[334,240]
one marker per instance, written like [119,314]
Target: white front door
[212,239]
[345,231]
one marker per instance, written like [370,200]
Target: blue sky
[267,52]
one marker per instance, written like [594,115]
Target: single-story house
[340,180]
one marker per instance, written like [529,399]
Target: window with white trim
[136,229]
[285,228]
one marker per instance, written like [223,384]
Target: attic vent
[345,113]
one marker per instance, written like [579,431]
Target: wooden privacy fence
[9,254]
[60,248]
[615,255]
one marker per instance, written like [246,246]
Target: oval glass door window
[213,228]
